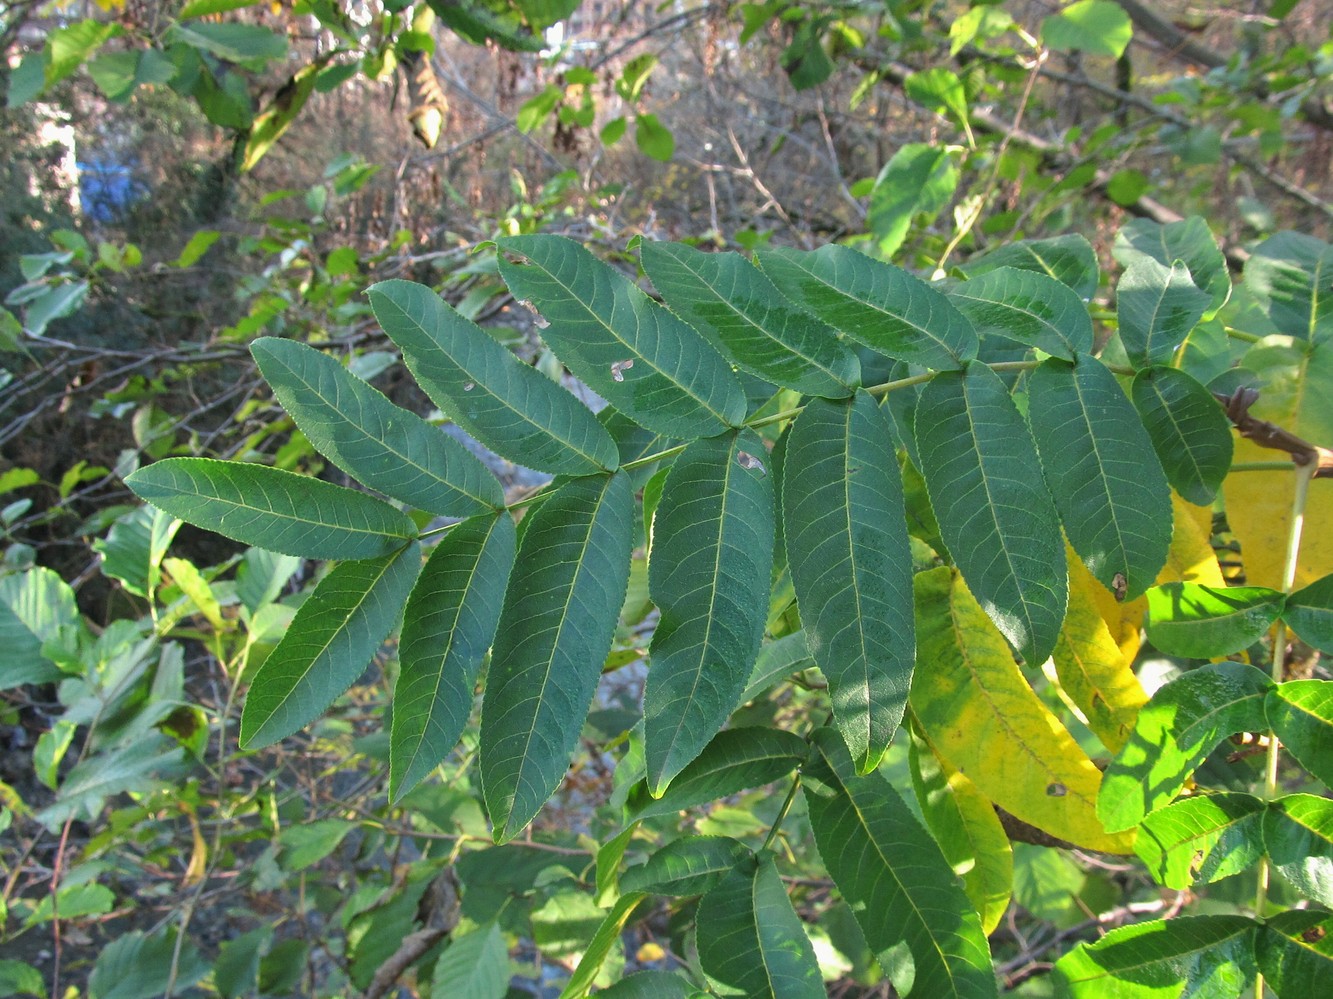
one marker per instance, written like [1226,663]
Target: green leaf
[233,41]
[967,829]
[272,123]
[132,550]
[1288,274]
[708,573]
[269,508]
[70,46]
[1188,430]
[1175,732]
[27,80]
[135,767]
[1098,27]
[939,89]
[559,616]
[1071,260]
[1207,622]
[1028,307]
[308,843]
[1109,489]
[1157,305]
[874,303]
[846,540]
[1301,714]
[236,972]
[384,446]
[750,938]
[778,658]
[509,406]
[633,352]
[35,606]
[653,138]
[1296,952]
[56,302]
[328,644]
[448,626]
[475,965]
[691,865]
[995,515]
[603,943]
[483,21]
[1202,839]
[1298,833]
[919,180]
[20,979]
[892,873]
[1189,240]
[1309,613]
[727,298]
[199,244]
[138,966]
[1211,956]
[735,760]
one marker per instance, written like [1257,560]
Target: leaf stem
[1304,473]
[782,812]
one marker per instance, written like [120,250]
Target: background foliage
[217,776]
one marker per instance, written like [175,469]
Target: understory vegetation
[528,497]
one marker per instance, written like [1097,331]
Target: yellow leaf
[981,716]
[1296,393]
[1190,559]
[967,829]
[1092,667]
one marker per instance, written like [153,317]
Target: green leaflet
[1296,952]
[1288,274]
[650,985]
[509,406]
[995,515]
[1212,955]
[1202,839]
[735,760]
[1188,430]
[475,965]
[272,509]
[691,865]
[1157,306]
[846,540]
[328,644]
[1071,260]
[918,180]
[778,658]
[1028,307]
[1301,713]
[651,366]
[1107,484]
[894,876]
[1204,622]
[448,626]
[727,298]
[1189,240]
[1298,833]
[967,829]
[382,445]
[752,941]
[559,617]
[603,942]
[874,303]
[1309,613]
[708,573]
[1174,733]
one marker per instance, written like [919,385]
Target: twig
[1270,435]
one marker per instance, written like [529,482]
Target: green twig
[782,812]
